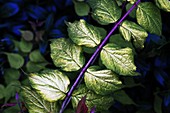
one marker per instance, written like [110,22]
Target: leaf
[36,104]
[15,60]
[82,107]
[101,102]
[163,4]
[11,75]
[120,60]
[25,46]
[130,29]
[11,89]
[2,89]
[12,109]
[27,35]
[51,84]
[81,8]
[83,33]
[149,17]
[157,104]
[8,9]
[101,81]
[36,56]
[123,98]
[105,11]
[66,55]
[35,67]
[133,12]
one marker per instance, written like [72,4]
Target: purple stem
[81,75]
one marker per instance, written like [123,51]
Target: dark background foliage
[45,20]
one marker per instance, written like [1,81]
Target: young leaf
[101,81]
[92,99]
[85,34]
[163,4]
[130,29]
[27,35]
[16,61]
[149,17]
[51,84]
[25,46]
[66,55]
[105,11]
[35,103]
[157,104]
[36,56]
[81,8]
[82,107]
[123,98]
[120,60]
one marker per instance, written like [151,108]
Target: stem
[81,75]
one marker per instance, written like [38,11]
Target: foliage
[128,74]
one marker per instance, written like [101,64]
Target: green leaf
[27,35]
[12,109]
[89,50]
[51,84]
[66,54]
[120,60]
[149,17]
[36,104]
[130,29]
[35,67]
[158,104]
[105,11]
[123,98]
[36,56]
[81,8]
[85,34]
[101,81]
[163,4]
[131,1]
[11,75]
[11,89]
[15,60]
[99,101]
[133,12]
[2,89]
[25,46]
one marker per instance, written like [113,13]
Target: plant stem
[81,75]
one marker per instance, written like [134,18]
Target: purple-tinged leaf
[43,47]
[51,8]
[56,33]
[82,107]
[161,61]
[8,9]
[160,76]
[16,29]
[93,109]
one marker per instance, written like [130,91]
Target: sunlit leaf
[149,17]
[36,104]
[120,60]
[101,102]
[131,30]
[163,4]
[66,54]
[105,11]
[101,81]
[51,84]
[85,34]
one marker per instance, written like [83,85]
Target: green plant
[103,77]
